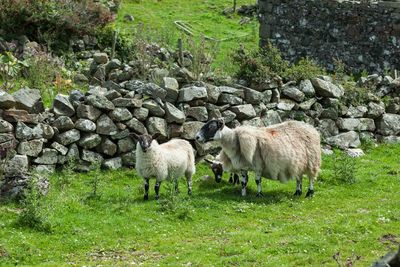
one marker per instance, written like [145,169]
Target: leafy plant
[10,68]
[95,182]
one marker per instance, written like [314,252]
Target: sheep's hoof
[310,193]
[259,194]
[157,197]
[298,193]
[190,192]
[146,197]
[231,180]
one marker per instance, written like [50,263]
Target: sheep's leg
[157,189]
[189,185]
[244,182]
[231,178]
[310,191]
[299,185]
[176,185]
[235,178]
[259,188]
[146,189]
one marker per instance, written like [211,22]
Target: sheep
[170,160]
[278,152]
[218,169]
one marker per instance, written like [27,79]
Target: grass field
[214,227]
[204,16]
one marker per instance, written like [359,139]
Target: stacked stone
[95,127]
[362,34]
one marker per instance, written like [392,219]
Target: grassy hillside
[204,16]
[215,226]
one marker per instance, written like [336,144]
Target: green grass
[216,226]
[204,16]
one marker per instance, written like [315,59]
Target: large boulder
[157,125]
[29,100]
[345,140]
[293,93]
[120,114]
[105,126]
[88,112]
[85,125]
[190,129]
[30,148]
[154,108]
[48,157]
[327,89]
[89,140]
[100,102]
[69,137]
[6,100]
[190,93]
[62,106]
[389,124]
[5,126]
[244,112]
[17,165]
[307,88]
[63,123]
[173,114]
[112,164]
[108,147]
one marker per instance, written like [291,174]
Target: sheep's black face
[144,141]
[218,171]
[210,130]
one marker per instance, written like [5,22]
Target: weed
[10,68]
[173,204]
[344,168]
[33,213]
[203,53]
[95,182]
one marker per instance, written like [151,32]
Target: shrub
[250,66]
[52,21]
[33,213]
[304,69]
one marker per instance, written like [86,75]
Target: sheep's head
[144,140]
[210,131]
[217,169]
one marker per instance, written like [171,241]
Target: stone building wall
[365,35]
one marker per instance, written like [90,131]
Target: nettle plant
[10,68]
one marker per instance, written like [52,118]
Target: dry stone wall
[365,35]
[94,126]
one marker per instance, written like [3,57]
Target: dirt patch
[389,240]
[3,252]
[128,257]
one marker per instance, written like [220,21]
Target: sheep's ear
[221,123]
[155,136]
[134,135]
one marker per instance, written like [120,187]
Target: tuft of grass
[222,228]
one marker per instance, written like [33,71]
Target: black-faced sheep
[170,160]
[279,152]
